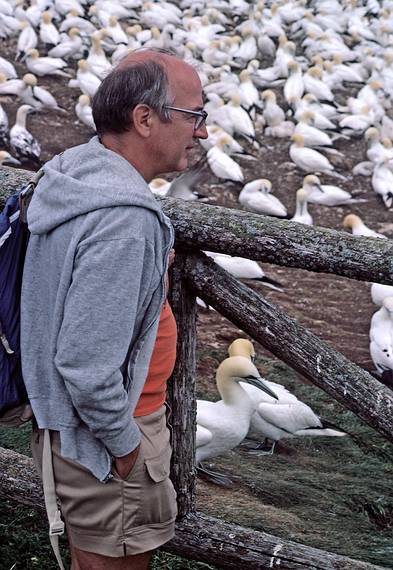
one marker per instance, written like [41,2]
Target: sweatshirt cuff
[123,443]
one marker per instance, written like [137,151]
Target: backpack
[14,236]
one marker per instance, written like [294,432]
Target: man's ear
[142,119]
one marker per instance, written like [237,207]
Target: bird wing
[203,436]
[289,417]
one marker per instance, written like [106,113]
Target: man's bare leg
[82,560]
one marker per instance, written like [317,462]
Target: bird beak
[258,382]
[320,188]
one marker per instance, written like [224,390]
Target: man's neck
[132,153]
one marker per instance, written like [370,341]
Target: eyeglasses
[200,116]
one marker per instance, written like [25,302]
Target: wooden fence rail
[263,238]
[201,226]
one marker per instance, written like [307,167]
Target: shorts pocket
[159,467]
[158,499]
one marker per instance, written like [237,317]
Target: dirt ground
[338,310]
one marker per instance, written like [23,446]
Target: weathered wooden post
[181,389]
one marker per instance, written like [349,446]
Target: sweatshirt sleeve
[110,281]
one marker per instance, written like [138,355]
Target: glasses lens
[200,120]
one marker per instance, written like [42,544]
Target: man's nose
[201,132]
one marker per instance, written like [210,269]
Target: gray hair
[128,85]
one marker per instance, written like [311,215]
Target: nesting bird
[222,425]
[243,268]
[222,165]
[286,416]
[45,65]
[84,112]
[302,215]
[325,194]
[256,196]
[359,228]
[309,159]
[22,142]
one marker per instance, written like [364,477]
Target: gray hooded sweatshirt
[92,292]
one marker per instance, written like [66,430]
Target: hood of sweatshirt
[82,179]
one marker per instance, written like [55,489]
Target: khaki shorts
[120,517]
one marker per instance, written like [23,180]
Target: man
[92,298]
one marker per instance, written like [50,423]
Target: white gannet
[312,135]
[285,55]
[216,54]
[322,117]
[377,152]
[249,95]
[272,113]
[36,96]
[382,182]
[364,168]
[27,39]
[247,49]
[10,86]
[282,418]
[359,228]
[72,20]
[314,84]
[215,132]
[159,186]
[325,194]
[160,14]
[84,112]
[222,425]
[302,215]
[255,197]
[381,337]
[294,85]
[97,60]
[243,268]
[222,165]
[48,33]
[309,159]
[6,158]
[70,45]
[7,68]
[241,121]
[87,81]
[266,45]
[45,65]
[226,84]
[379,292]
[355,125]
[22,142]
[65,6]
[115,31]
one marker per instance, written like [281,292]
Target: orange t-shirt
[161,366]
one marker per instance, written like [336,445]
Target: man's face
[173,140]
